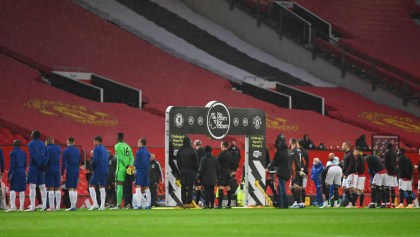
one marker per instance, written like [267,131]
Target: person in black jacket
[281,162]
[405,173]
[208,174]
[198,187]
[269,177]
[296,183]
[188,165]
[390,158]
[361,142]
[349,174]
[361,178]
[111,198]
[304,163]
[307,143]
[226,166]
[379,179]
[155,176]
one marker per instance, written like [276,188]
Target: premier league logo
[179,120]
[218,120]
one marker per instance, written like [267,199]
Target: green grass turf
[253,222]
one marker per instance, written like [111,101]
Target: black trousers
[209,195]
[128,190]
[153,190]
[187,183]
[111,195]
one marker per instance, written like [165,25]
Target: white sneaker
[325,205]
[101,209]
[350,206]
[11,210]
[39,206]
[30,209]
[295,205]
[93,208]
[116,208]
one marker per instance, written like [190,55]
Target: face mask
[315,163]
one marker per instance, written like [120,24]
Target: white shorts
[418,185]
[334,176]
[405,185]
[379,179]
[344,184]
[351,181]
[361,182]
[391,181]
[304,182]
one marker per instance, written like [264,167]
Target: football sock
[294,195]
[75,199]
[58,199]
[393,195]
[43,191]
[410,197]
[229,196]
[354,198]
[383,194]
[221,196]
[148,197]
[401,196]
[303,195]
[299,196]
[387,194]
[12,199]
[138,196]
[362,198]
[119,194]
[93,196]
[32,193]
[103,196]
[71,197]
[335,194]
[22,200]
[51,199]
[197,196]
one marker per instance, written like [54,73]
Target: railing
[312,32]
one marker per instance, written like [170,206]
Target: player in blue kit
[70,169]
[53,174]
[38,159]
[100,173]
[142,164]
[16,176]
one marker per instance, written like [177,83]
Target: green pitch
[255,222]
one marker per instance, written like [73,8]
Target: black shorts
[224,179]
[297,181]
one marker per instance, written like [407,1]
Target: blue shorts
[72,178]
[36,176]
[142,179]
[53,179]
[18,182]
[99,179]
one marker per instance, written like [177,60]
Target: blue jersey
[38,154]
[1,161]
[100,159]
[53,165]
[71,159]
[142,161]
[17,162]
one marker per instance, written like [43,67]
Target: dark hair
[98,138]
[293,140]
[225,144]
[357,148]
[36,134]
[120,136]
[16,143]
[301,142]
[401,150]
[389,146]
[208,148]
[143,141]
[71,140]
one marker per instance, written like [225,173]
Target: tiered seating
[355,109]
[380,32]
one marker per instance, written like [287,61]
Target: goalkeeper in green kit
[125,159]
